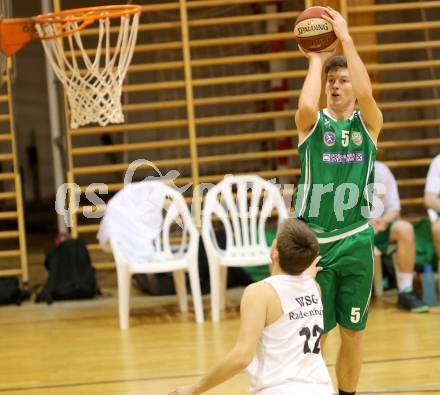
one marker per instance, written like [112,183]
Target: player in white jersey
[432,200]
[281,325]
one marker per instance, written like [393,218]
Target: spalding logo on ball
[314,33]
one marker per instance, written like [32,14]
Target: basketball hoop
[93,83]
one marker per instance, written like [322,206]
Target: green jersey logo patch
[356,137]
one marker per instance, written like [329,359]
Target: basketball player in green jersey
[337,149]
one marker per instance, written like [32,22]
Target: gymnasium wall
[31,112]
[212,90]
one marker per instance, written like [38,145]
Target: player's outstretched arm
[360,79]
[253,311]
[313,269]
[308,103]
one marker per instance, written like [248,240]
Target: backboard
[5,12]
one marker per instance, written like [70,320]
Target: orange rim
[88,13]
[86,16]
[17,32]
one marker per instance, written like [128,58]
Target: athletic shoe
[410,302]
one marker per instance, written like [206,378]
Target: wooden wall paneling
[200,97]
[156,126]
[13,252]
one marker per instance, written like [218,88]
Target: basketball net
[93,85]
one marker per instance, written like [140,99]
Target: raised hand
[323,55]
[378,225]
[338,22]
[313,269]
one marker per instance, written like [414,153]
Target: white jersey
[433,177]
[288,350]
[389,193]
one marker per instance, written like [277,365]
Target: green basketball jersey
[337,163]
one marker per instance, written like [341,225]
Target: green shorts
[347,277]
[382,240]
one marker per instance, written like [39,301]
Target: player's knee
[403,231]
[350,336]
[436,230]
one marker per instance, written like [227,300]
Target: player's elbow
[245,361]
[243,356]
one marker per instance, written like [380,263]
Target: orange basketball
[314,33]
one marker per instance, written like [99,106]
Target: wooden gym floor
[77,348]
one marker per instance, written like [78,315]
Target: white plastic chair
[244,218]
[165,259]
